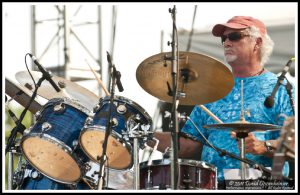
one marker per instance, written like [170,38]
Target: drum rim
[132,103]
[71,102]
[58,143]
[182,161]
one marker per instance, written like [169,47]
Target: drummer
[247,47]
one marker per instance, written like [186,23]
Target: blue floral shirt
[228,110]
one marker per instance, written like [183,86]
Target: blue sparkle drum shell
[34,180]
[119,148]
[51,145]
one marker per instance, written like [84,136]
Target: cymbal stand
[10,147]
[242,135]
[174,138]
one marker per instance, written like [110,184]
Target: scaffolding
[64,40]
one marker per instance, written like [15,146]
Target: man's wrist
[269,146]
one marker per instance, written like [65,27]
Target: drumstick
[210,113]
[99,80]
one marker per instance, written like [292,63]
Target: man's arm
[189,148]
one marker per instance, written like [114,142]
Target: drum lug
[96,108]
[186,180]
[26,131]
[37,115]
[149,184]
[89,120]
[59,108]
[46,127]
[121,109]
[36,175]
[114,122]
[75,144]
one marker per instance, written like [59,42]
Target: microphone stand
[175,128]
[10,147]
[115,76]
[289,88]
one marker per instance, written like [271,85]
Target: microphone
[269,102]
[116,73]
[45,73]
[118,81]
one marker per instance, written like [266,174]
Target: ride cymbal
[201,78]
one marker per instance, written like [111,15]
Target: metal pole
[174,133]
[136,163]
[66,41]
[10,170]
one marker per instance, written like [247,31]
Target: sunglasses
[234,36]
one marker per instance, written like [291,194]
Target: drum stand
[138,132]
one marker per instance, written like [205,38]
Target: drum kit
[63,146]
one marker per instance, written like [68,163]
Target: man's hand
[252,144]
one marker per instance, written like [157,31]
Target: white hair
[267,44]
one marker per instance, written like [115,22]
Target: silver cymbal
[68,89]
[12,89]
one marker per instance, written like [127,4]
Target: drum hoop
[71,102]
[58,143]
[114,134]
[130,102]
[191,162]
[49,138]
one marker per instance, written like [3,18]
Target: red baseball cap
[239,22]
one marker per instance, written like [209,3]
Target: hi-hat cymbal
[68,89]
[243,127]
[201,78]
[21,95]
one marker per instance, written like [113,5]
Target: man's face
[238,46]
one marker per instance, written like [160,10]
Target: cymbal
[242,127]
[13,90]
[68,89]
[202,78]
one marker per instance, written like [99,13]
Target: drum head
[117,151]
[51,160]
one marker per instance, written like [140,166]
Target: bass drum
[193,175]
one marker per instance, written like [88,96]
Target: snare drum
[192,175]
[118,146]
[51,144]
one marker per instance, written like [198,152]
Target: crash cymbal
[242,126]
[68,89]
[202,78]
[21,95]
